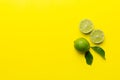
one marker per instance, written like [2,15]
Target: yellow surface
[36,39]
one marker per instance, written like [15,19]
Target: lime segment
[86,26]
[97,36]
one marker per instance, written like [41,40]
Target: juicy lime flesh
[82,45]
[86,26]
[97,36]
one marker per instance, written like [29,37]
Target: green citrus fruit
[86,26]
[97,36]
[82,45]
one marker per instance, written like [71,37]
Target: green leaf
[89,58]
[99,50]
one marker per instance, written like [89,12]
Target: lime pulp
[97,36]
[86,26]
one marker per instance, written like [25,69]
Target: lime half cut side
[86,26]
[97,36]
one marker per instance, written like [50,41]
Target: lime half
[97,36]
[86,26]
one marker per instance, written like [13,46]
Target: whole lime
[82,45]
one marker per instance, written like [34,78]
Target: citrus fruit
[82,45]
[97,36]
[86,26]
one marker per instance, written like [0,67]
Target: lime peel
[81,44]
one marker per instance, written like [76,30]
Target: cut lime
[86,26]
[97,36]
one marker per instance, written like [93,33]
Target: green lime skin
[82,45]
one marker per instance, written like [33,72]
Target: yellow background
[36,39]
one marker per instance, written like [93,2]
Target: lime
[97,36]
[86,26]
[82,45]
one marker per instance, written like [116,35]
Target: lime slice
[97,36]
[86,26]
